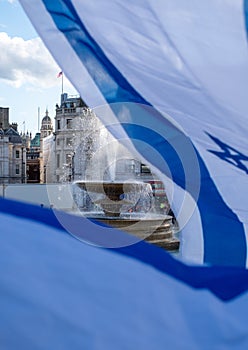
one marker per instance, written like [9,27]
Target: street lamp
[45,177]
[72,165]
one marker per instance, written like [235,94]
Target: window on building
[68,123]
[58,124]
[58,160]
[144,169]
[17,154]
[58,141]
[68,159]
[131,166]
[17,169]
[69,141]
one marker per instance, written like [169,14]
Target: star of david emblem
[229,154]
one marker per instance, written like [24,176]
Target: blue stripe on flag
[224,237]
[218,249]
[225,283]
[246,15]
[218,220]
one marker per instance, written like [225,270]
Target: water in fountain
[114,196]
[125,204]
[118,198]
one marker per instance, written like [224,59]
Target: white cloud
[26,62]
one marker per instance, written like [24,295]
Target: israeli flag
[172,76]
[59,293]
[169,80]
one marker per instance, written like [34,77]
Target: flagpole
[38,119]
[61,74]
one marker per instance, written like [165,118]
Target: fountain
[115,199]
[92,157]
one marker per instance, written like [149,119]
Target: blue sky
[28,73]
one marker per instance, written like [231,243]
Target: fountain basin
[157,230]
[112,195]
[153,228]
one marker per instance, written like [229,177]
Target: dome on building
[46,126]
[46,119]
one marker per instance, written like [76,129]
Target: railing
[65,111]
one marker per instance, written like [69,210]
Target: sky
[28,73]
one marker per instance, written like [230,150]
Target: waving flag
[173,77]
[59,74]
[169,73]
[59,293]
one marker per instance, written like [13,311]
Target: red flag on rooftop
[59,74]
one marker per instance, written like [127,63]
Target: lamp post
[45,174]
[72,166]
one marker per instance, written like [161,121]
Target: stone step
[160,235]
[149,229]
[168,244]
[154,236]
[163,228]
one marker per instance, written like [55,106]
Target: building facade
[47,167]
[46,133]
[82,148]
[12,151]
[12,158]
[4,118]
[4,158]
[33,159]
[69,136]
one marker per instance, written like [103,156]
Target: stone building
[12,157]
[4,118]
[46,133]
[46,126]
[12,151]
[33,159]
[68,133]
[4,158]
[47,159]
[82,148]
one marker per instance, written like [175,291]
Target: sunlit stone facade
[12,151]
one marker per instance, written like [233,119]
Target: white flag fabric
[175,76]
[60,293]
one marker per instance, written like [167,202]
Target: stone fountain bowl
[113,190]
[112,194]
[156,229]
